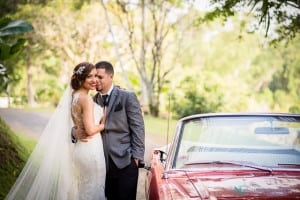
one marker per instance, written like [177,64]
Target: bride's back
[76,110]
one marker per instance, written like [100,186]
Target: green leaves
[283,15]
[11,43]
[8,27]
[8,51]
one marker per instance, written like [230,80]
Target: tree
[11,44]
[204,98]
[57,46]
[10,7]
[116,46]
[3,79]
[285,14]
[11,41]
[147,43]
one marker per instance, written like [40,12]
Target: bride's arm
[88,117]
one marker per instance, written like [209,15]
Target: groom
[123,137]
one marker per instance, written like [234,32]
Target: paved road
[32,123]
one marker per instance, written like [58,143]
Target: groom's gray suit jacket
[124,134]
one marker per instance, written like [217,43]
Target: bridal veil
[48,173]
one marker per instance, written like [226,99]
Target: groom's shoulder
[121,90]
[124,91]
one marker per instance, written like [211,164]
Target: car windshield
[258,140]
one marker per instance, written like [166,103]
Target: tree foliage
[10,41]
[284,13]
[11,6]
[217,66]
[11,44]
[204,98]
[148,38]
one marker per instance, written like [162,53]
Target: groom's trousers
[121,184]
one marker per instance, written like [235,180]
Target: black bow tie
[105,99]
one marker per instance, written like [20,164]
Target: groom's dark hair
[105,65]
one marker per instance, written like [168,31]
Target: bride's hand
[103,119]
[102,123]
[102,126]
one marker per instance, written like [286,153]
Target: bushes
[195,103]
[197,99]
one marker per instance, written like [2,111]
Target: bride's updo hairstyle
[81,71]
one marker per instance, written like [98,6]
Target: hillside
[12,156]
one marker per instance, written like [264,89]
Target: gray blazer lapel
[112,99]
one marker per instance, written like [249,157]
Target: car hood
[233,185]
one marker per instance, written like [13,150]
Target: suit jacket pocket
[125,140]
[118,107]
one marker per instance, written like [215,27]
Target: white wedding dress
[89,161]
[57,169]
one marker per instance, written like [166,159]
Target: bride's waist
[95,137]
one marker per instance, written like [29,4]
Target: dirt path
[32,123]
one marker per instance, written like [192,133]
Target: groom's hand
[81,135]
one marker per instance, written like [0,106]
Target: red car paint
[221,182]
[213,181]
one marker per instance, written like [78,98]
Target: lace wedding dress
[89,161]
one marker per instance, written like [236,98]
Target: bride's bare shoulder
[85,98]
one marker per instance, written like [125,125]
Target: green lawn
[159,127]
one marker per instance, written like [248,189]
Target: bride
[58,169]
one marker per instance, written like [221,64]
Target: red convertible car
[228,156]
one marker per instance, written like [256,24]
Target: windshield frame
[175,145]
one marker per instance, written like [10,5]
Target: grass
[15,148]
[14,151]
[158,127]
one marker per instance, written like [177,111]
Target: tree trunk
[152,100]
[144,91]
[30,88]
[129,85]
